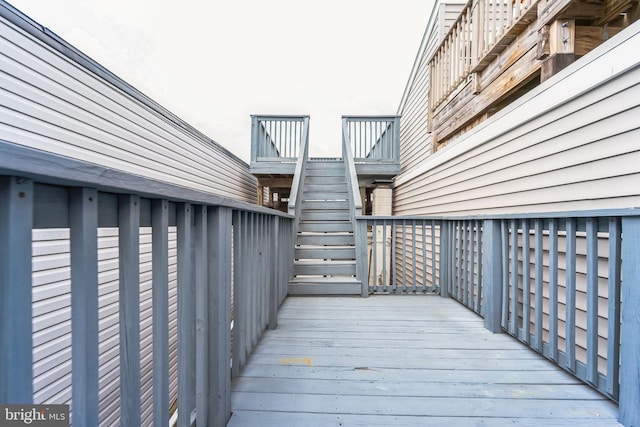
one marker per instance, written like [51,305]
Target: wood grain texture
[409,374]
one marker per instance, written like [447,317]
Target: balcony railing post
[444,259]
[254,139]
[16,221]
[219,253]
[83,225]
[275,272]
[200,267]
[630,328]
[129,293]
[492,274]
[361,256]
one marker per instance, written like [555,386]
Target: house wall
[415,139]
[569,144]
[55,103]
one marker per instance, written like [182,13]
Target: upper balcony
[276,143]
[497,50]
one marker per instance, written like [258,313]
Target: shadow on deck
[400,360]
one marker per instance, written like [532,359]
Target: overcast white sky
[213,63]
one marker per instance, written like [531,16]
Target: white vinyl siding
[570,144]
[52,103]
[415,138]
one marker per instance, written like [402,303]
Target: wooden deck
[402,361]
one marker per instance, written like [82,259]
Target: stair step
[325,239]
[323,195]
[324,204]
[326,165]
[328,188]
[326,252]
[326,215]
[325,179]
[325,226]
[324,268]
[325,286]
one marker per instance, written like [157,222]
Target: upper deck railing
[276,142]
[483,29]
[374,143]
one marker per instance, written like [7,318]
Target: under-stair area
[325,246]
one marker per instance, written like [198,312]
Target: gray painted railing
[534,277]
[373,138]
[297,186]
[41,190]
[277,138]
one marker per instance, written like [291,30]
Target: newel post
[492,275]
[629,414]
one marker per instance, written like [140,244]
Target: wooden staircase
[325,254]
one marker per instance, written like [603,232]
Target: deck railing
[483,29]
[297,185]
[372,138]
[554,282]
[40,190]
[276,141]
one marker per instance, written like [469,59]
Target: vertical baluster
[592,301]
[413,255]
[513,324]
[472,267]
[613,335]
[458,272]
[425,284]
[526,283]
[465,263]
[504,236]
[478,307]
[129,301]
[538,285]
[374,242]
[202,332]
[384,255]
[570,349]
[443,277]
[250,308]
[16,222]
[433,255]
[186,318]
[553,289]
[219,247]
[160,308]
[238,290]
[403,263]
[83,224]
[394,279]
[276,267]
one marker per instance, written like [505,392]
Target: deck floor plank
[402,361]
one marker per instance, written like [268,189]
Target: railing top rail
[53,169]
[387,117]
[533,215]
[279,116]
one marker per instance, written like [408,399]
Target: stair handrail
[355,201]
[295,197]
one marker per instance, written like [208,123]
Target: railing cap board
[279,116]
[53,169]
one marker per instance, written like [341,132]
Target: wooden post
[160,307]
[201,312]
[362,267]
[492,275]
[186,316]
[561,40]
[16,221]
[129,291]
[83,225]
[630,329]
[444,259]
[220,258]
[275,268]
